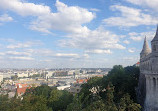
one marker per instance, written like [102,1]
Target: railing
[148,72]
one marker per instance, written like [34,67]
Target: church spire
[146,50]
[156,35]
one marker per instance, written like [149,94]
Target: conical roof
[146,50]
[156,35]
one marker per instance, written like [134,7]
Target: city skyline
[74,34]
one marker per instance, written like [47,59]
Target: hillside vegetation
[114,92]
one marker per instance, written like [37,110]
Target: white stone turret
[148,79]
[146,50]
[154,42]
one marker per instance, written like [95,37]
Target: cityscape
[78,55]
[17,81]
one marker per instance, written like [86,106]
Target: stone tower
[148,80]
[146,50]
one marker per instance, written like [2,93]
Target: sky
[74,33]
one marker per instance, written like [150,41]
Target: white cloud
[21,58]
[1,58]
[42,52]
[47,53]
[126,42]
[133,33]
[140,36]
[148,3]
[18,53]
[99,51]
[93,39]
[95,9]
[131,58]
[67,55]
[7,40]
[5,18]
[86,56]
[130,17]
[19,45]
[131,50]
[47,60]
[74,16]
[23,8]
[24,44]
[2,53]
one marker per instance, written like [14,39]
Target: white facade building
[71,72]
[148,80]
[22,75]
[1,78]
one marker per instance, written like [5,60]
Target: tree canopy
[114,92]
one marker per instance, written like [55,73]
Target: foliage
[118,85]
[14,78]
[3,102]
[114,92]
[126,104]
[76,105]
[92,82]
[35,103]
[96,106]
[125,80]
[35,75]
[59,100]
[43,90]
[56,99]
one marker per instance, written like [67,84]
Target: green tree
[113,87]
[114,92]
[126,104]
[14,78]
[7,104]
[125,81]
[59,99]
[34,103]
[92,82]
[43,90]
[76,105]
[96,106]
[35,75]
[4,101]
[109,98]
[14,104]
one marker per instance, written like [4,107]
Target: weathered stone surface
[147,92]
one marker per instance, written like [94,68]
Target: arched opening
[154,83]
[154,47]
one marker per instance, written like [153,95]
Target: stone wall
[151,100]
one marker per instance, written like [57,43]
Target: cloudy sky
[74,33]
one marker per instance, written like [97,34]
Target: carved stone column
[148,88]
[151,85]
[156,92]
[156,84]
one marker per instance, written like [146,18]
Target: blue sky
[74,33]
